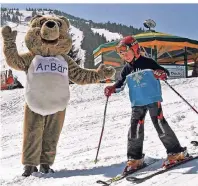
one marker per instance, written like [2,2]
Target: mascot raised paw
[49,70]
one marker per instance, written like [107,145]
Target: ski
[160,170]
[122,176]
[195,143]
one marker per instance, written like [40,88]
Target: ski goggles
[122,48]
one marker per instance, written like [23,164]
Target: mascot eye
[59,23]
[61,37]
[42,21]
[37,33]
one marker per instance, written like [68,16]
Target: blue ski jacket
[144,88]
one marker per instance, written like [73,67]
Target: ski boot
[133,164]
[45,168]
[173,158]
[29,169]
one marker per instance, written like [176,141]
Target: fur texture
[40,137]
[47,89]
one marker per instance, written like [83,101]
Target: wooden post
[155,53]
[195,68]
[186,61]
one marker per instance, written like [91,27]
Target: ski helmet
[129,42]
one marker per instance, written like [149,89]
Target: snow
[25,13]
[78,37]
[78,142]
[109,35]
[77,147]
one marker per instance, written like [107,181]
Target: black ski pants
[136,131]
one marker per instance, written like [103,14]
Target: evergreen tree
[4,17]
[8,17]
[90,41]
[17,12]
[3,9]
[73,53]
[13,18]
[16,19]
[34,13]
[3,21]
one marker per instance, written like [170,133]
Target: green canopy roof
[151,38]
[169,48]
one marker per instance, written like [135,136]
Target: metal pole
[102,130]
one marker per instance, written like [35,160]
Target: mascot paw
[105,72]
[8,34]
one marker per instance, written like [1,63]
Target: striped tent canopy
[165,48]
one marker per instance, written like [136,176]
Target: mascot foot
[45,168]
[29,170]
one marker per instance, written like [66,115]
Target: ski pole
[181,97]
[102,130]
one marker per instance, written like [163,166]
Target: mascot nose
[50,24]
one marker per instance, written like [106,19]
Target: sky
[176,19]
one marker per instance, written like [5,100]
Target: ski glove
[160,74]
[109,90]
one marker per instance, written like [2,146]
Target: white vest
[47,86]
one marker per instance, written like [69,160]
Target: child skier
[142,76]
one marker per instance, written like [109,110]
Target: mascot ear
[66,20]
[33,18]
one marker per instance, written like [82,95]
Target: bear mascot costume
[48,70]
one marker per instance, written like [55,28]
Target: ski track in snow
[78,142]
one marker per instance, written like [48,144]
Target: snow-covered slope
[109,35]
[78,143]
[78,37]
